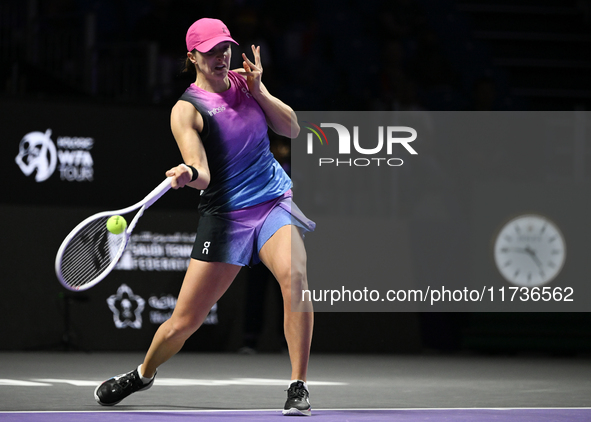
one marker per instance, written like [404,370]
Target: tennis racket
[89,253]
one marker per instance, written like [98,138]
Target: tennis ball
[116,224]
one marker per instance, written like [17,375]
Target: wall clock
[529,250]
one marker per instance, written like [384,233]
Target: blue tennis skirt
[236,237]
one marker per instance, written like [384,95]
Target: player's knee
[298,277]
[293,276]
[182,328]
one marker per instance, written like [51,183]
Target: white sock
[144,379]
[305,385]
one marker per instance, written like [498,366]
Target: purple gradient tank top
[243,170]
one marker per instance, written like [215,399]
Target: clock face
[529,250]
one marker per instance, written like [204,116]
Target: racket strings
[89,253]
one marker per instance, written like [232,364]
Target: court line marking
[279,410]
[162,382]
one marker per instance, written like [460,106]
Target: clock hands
[533,255]
[507,249]
[531,252]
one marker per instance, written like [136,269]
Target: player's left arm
[280,117]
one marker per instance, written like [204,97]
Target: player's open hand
[253,71]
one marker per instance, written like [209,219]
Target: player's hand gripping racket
[90,251]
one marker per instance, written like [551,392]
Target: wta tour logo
[386,136]
[38,154]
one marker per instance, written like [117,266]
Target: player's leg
[285,255]
[204,284]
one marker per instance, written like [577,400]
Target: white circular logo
[37,152]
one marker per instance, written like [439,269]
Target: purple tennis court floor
[373,415]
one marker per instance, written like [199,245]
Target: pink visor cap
[204,34]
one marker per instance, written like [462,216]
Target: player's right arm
[186,124]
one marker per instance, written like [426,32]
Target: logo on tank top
[245,91]
[216,110]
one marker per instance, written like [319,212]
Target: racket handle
[160,190]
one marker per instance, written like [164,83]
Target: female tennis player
[246,212]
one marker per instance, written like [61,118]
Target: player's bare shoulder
[185,115]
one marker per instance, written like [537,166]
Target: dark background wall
[110,71]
